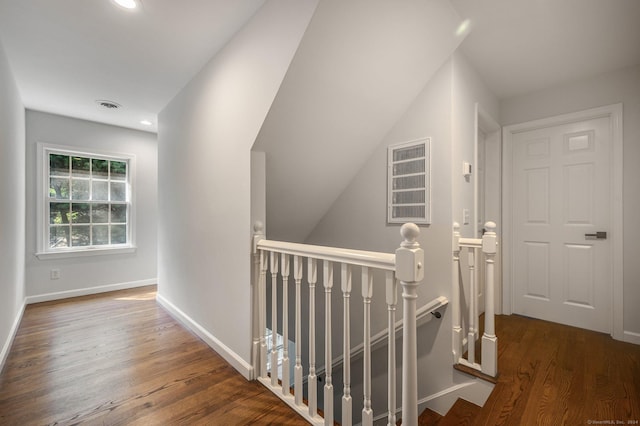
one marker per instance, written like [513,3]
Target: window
[408,186]
[86,201]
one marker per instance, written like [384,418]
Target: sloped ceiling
[357,69]
[521,46]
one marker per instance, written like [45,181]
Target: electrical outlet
[54,274]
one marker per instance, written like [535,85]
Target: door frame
[485,123]
[614,113]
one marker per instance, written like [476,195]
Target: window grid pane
[88,201]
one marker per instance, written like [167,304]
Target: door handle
[597,236]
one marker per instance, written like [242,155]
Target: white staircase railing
[489,344]
[406,265]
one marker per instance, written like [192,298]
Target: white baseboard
[90,290]
[631,337]
[12,334]
[237,362]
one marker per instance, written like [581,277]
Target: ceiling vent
[108,104]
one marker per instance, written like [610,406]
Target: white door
[561,196]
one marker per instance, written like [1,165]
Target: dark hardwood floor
[552,374]
[118,358]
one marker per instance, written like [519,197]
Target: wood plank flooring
[118,358]
[552,374]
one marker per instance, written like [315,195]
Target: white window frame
[421,219]
[43,203]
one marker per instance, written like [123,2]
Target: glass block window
[87,200]
[408,183]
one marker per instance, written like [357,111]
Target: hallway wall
[12,207]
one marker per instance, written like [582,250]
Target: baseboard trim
[631,337]
[223,350]
[12,334]
[87,291]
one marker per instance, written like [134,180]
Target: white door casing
[562,180]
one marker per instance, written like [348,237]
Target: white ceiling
[66,54]
[521,46]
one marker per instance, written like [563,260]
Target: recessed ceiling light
[146,122]
[127,4]
[103,103]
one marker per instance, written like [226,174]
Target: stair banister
[410,271]
[405,265]
[489,342]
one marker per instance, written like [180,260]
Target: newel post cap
[489,239]
[490,226]
[258,234]
[410,257]
[410,232]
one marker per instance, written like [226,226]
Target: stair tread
[461,413]
[429,418]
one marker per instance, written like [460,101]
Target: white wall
[359,66]
[12,207]
[468,89]
[205,137]
[84,275]
[610,88]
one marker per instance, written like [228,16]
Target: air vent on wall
[409,182]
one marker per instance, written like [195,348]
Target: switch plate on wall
[465,216]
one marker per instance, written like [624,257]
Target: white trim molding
[88,291]
[245,368]
[631,337]
[6,348]
[614,112]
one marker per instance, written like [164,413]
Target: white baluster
[286,379]
[274,319]
[455,297]
[367,293]
[312,383]
[328,357]
[489,338]
[392,301]
[263,313]
[346,346]
[473,294]
[410,271]
[297,372]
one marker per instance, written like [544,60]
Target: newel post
[410,271]
[489,339]
[259,347]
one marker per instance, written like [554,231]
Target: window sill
[85,253]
